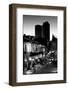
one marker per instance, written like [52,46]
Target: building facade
[38,31]
[43,31]
[46,31]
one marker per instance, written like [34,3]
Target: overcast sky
[29,22]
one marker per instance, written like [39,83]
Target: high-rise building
[46,31]
[43,31]
[38,31]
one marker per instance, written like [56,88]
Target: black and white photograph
[40,38]
[37,38]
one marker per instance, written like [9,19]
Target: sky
[29,22]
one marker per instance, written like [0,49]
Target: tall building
[38,31]
[43,31]
[46,31]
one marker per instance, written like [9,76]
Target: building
[43,31]
[46,31]
[38,31]
[53,44]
